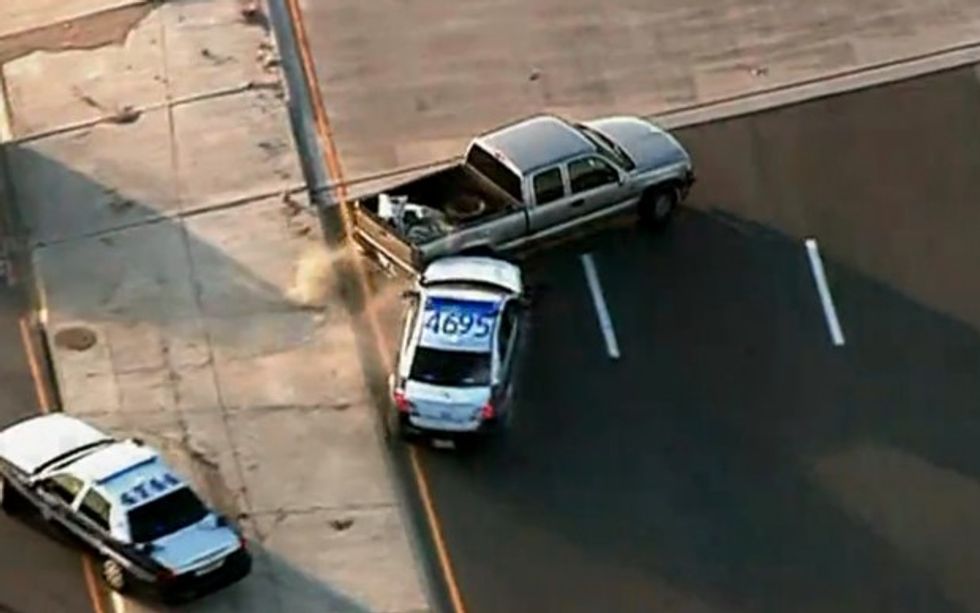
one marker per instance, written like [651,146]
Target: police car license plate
[443,443]
[209,568]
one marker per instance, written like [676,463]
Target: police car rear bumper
[190,585]
[421,427]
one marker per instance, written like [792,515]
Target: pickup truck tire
[657,206]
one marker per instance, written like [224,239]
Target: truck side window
[589,173]
[96,508]
[64,486]
[548,186]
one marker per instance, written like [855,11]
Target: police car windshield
[165,515]
[450,368]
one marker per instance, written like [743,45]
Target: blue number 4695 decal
[453,323]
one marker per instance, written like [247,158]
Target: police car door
[93,511]
[58,493]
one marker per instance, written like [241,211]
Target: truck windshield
[165,515]
[608,146]
[450,368]
[494,171]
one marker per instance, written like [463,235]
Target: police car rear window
[165,515]
[450,368]
[458,325]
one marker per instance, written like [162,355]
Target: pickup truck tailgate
[381,238]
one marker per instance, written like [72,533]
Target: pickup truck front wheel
[657,206]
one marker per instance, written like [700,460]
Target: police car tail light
[242,541]
[488,412]
[165,574]
[402,403]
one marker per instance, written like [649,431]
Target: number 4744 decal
[154,485]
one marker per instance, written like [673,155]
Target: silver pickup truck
[531,180]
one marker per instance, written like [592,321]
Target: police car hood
[195,546]
[646,144]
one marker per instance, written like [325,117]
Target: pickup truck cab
[121,500]
[531,180]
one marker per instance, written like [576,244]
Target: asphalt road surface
[734,458]
[40,570]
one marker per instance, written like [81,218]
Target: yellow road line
[332,157]
[44,402]
[445,563]
[92,584]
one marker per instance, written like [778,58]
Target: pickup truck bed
[454,197]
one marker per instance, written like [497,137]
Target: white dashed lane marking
[599,300]
[820,278]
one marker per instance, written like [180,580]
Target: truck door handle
[576,203]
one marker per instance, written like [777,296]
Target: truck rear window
[495,171]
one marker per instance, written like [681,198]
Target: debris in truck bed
[417,222]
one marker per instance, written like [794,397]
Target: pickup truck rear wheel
[657,206]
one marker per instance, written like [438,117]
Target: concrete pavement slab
[208,49]
[267,240]
[234,147]
[335,463]
[21,15]
[344,541]
[51,90]
[94,179]
[313,366]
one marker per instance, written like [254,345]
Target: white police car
[123,501]
[460,348]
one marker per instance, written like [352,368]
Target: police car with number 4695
[124,502]
[460,348]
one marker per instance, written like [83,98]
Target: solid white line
[820,278]
[605,322]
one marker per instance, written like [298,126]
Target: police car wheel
[114,575]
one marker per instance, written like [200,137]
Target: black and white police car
[460,348]
[124,502]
